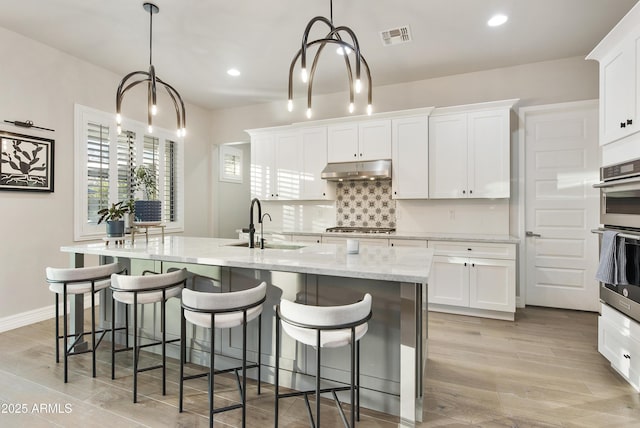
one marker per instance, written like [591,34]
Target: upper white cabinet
[410,157]
[469,151]
[314,159]
[619,57]
[276,161]
[358,141]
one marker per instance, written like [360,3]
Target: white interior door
[561,157]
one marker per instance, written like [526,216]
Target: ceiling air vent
[396,36]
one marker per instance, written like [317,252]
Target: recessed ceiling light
[233,72]
[497,20]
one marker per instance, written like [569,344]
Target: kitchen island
[394,349]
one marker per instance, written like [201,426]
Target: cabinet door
[448,156]
[492,284]
[422,243]
[410,157]
[314,159]
[288,165]
[488,154]
[374,139]
[311,239]
[342,142]
[449,281]
[617,93]
[263,174]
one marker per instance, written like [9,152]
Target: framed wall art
[26,162]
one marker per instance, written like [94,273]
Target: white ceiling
[196,41]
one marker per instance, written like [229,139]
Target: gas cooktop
[344,229]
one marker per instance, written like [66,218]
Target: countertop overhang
[398,264]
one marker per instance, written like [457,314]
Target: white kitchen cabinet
[399,242]
[619,342]
[359,141]
[473,279]
[314,159]
[276,165]
[263,166]
[410,157]
[342,240]
[469,151]
[311,239]
[619,58]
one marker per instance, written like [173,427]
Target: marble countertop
[401,264]
[466,237]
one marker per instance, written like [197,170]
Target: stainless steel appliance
[345,229]
[365,170]
[625,297]
[620,195]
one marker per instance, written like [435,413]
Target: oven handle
[612,183]
[620,234]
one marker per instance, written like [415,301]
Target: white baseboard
[519,302]
[36,315]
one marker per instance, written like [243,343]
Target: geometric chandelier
[333,37]
[152,81]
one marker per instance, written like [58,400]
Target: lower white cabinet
[474,279]
[619,342]
[422,243]
[379,242]
[312,239]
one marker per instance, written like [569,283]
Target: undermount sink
[270,245]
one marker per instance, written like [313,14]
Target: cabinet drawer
[422,243]
[622,351]
[473,249]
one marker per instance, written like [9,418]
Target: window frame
[83,229]
[228,149]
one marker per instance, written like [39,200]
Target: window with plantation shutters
[104,163]
[97,170]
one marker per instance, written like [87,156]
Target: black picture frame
[26,162]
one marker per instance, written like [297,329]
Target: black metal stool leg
[244,369]
[318,381]
[135,348]
[183,354]
[93,330]
[211,370]
[352,395]
[57,329]
[277,369]
[259,351]
[64,331]
[113,339]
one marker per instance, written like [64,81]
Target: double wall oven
[620,212]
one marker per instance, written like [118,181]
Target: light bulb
[309,113]
[119,128]
[184,132]
[369,109]
[150,129]
[358,86]
[343,51]
[351,107]
[118,119]
[303,75]
[290,105]
[154,109]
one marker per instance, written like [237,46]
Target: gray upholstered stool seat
[66,281]
[324,327]
[222,310]
[144,289]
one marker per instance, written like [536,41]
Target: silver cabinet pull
[535,235]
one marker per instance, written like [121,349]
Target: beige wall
[42,84]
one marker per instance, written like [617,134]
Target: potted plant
[150,208]
[114,217]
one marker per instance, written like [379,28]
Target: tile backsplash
[365,204]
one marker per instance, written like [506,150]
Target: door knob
[530,233]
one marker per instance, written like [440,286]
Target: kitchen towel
[607,269]
[621,262]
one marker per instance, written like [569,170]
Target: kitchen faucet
[252,229]
[262,230]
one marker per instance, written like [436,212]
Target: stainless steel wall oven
[620,212]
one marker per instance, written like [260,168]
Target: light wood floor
[543,370]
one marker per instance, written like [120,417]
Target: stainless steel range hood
[369,170]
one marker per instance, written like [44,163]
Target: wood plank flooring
[543,370]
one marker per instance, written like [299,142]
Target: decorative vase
[148,211]
[115,229]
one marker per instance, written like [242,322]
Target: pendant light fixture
[345,48]
[152,80]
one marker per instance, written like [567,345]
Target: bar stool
[147,288]
[324,327]
[222,310]
[67,281]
